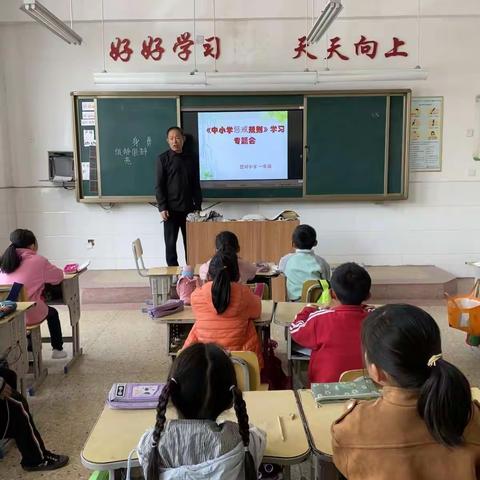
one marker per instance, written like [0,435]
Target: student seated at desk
[425,425]
[21,263]
[224,309]
[333,334]
[16,422]
[228,241]
[201,385]
[304,264]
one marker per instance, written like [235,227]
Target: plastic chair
[311,291]
[247,371]
[351,375]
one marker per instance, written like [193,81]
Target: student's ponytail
[445,403]
[223,270]
[404,341]
[10,259]
[154,459]
[244,429]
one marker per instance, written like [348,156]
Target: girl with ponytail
[201,385]
[22,264]
[225,309]
[425,426]
[228,242]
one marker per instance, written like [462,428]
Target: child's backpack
[186,284]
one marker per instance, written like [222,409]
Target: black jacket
[178,182]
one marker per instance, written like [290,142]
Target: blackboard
[130,132]
[355,144]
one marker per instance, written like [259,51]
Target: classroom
[295,182]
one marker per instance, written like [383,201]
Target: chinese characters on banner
[137,149]
[252,129]
[153,48]
[364,46]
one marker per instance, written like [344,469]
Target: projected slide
[243,145]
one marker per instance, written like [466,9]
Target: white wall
[436,225]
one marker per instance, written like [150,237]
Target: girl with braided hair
[201,385]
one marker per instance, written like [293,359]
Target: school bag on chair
[186,284]
[272,372]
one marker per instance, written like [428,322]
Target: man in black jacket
[178,191]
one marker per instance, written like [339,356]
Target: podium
[260,241]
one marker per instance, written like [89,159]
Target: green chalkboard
[355,146]
[131,134]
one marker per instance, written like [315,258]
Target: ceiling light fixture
[44,16]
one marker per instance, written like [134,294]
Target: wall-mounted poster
[426,132]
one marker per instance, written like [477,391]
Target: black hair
[304,237]
[223,270]
[351,283]
[227,241]
[10,259]
[401,339]
[201,385]
[175,128]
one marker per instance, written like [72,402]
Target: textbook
[134,396]
[362,389]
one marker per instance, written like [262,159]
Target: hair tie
[174,380]
[154,444]
[232,388]
[432,362]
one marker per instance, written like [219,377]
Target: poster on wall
[426,131]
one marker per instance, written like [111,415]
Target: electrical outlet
[90,243]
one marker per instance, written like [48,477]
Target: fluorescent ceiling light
[251,80]
[324,21]
[44,16]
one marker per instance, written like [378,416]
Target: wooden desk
[13,342]
[179,324]
[160,279]
[117,432]
[265,241]
[70,296]
[318,421]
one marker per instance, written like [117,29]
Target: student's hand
[164,214]
[6,392]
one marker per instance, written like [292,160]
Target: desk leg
[77,351]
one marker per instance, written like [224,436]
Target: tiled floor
[125,345]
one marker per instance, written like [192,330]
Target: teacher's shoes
[51,461]
[56,354]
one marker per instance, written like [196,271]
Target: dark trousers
[53,320]
[176,221]
[17,423]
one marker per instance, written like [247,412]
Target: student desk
[179,325]
[318,421]
[70,296]
[117,432]
[13,342]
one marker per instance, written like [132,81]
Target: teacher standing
[177,190]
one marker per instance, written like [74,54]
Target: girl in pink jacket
[20,263]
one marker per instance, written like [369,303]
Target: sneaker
[56,354]
[51,461]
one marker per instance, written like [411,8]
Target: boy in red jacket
[333,334]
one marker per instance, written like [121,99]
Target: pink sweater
[34,272]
